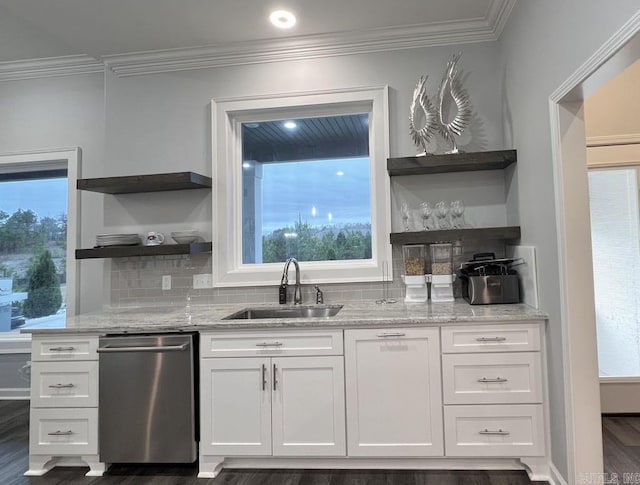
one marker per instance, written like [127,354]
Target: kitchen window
[37,240]
[301,176]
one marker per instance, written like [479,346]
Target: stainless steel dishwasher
[147,399]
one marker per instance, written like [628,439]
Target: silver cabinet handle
[61,433]
[491,339]
[61,349]
[264,377]
[275,377]
[269,344]
[496,432]
[497,379]
[160,348]
[61,386]
[391,334]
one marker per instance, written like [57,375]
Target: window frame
[69,159]
[227,116]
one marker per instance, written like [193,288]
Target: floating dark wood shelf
[458,162]
[145,183]
[131,251]
[450,235]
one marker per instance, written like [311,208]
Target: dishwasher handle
[158,348]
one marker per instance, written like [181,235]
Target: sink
[288,312]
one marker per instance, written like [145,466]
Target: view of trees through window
[33,244]
[306,190]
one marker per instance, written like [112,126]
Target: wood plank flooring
[621,436]
[622,451]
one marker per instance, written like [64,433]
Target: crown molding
[611,140]
[498,15]
[49,67]
[484,29]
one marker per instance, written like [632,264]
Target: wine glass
[457,213]
[404,212]
[425,211]
[442,211]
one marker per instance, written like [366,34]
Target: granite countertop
[353,314]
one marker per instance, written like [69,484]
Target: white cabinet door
[308,417]
[394,399]
[235,409]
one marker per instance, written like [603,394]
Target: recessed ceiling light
[339,173]
[246,165]
[283,19]
[252,125]
[290,125]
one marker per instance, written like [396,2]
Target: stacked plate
[117,240]
[185,237]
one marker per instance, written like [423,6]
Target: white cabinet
[308,417]
[272,405]
[63,427]
[394,400]
[493,390]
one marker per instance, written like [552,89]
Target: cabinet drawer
[494,430]
[64,384]
[61,348]
[491,338]
[505,378]
[70,431]
[313,342]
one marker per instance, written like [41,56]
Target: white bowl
[184,239]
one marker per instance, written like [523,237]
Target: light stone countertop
[352,315]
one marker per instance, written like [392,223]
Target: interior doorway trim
[582,403]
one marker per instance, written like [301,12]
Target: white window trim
[226,118]
[70,159]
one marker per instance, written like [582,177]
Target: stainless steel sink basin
[288,312]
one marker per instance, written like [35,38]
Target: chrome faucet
[297,294]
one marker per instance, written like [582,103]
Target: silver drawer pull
[499,432]
[497,379]
[491,339]
[61,386]
[61,349]
[61,433]
[391,334]
[269,344]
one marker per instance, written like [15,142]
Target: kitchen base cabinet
[271,405]
[63,422]
[394,397]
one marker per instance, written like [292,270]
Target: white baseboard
[555,478]
[7,393]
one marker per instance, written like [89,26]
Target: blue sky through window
[321,192]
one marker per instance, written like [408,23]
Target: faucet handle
[319,295]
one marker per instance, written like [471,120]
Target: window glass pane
[306,190]
[615,234]
[33,244]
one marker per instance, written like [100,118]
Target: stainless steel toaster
[487,280]
[491,289]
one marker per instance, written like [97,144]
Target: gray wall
[544,43]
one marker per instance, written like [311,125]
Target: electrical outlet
[166,282]
[204,280]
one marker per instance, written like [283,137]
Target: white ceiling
[102,29]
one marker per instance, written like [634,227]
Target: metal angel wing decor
[452,86]
[423,121]
[426,120]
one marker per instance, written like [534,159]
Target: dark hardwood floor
[621,436]
[14,450]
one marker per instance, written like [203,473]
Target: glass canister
[441,259]
[415,259]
